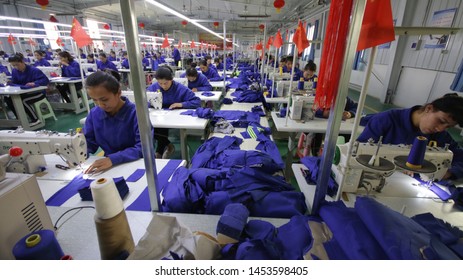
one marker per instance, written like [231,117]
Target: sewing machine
[154,98]
[71,147]
[50,71]
[279,77]
[283,88]
[371,174]
[302,107]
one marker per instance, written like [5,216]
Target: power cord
[55,226]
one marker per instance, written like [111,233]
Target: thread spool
[283,112]
[38,245]
[416,156]
[112,227]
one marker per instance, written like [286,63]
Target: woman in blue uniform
[26,76]
[104,63]
[71,69]
[289,67]
[197,81]
[402,126]
[176,55]
[40,59]
[174,96]
[112,124]
[210,73]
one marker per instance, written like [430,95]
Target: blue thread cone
[38,245]
[416,156]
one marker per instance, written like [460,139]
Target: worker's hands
[99,165]
[176,106]
[194,89]
[31,84]
[346,115]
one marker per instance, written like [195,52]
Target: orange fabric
[377,24]
[79,35]
[300,38]
[278,41]
[332,58]
[165,43]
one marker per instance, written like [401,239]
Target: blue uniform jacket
[30,74]
[42,62]
[73,70]
[351,107]
[201,83]
[176,54]
[396,128]
[117,135]
[4,69]
[212,74]
[125,63]
[111,58]
[102,66]
[175,94]
[83,56]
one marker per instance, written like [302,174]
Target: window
[52,34]
[94,33]
[310,37]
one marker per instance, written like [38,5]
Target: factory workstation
[231,130]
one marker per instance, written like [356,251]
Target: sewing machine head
[360,170]
[154,98]
[283,88]
[71,147]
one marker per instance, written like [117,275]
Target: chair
[49,110]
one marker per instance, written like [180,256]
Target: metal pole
[358,115]
[224,55]
[334,121]
[234,52]
[262,83]
[129,20]
[274,72]
[291,85]
[84,90]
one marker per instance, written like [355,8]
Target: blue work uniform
[211,74]
[4,69]
[396,127]
[117,135]
[201,83]
[42,62]
[71,71]
[176,56]
[108,64]
[125,63]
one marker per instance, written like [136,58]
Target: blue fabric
[176,54]
[204,113]
[30,74]
[258,110]
[112,58]
[212,75]
[236,117]
[268,146]
[72,70]
[233,220]
[351,107]
[121,185]
[68,191]
[4,69]
[205,154]
[177,93]
[100,130]
[207,93]
[249,96]
[108,64]
[313,163]
[42,62]
[227,101]
[136,175]
[350,233]
[457,84]
[396,128]
[240,158]
[142,203]
[125,63]
[201,83]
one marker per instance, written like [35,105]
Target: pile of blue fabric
[372,231]
[313,164]
[249,96]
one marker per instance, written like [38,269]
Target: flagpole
[224,55]
[274,71]
[83,90]
[291,84]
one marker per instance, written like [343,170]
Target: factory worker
[218,63]
[349,110]
[112,124]
[112,56]
[402,126]
[4,69]
[309,73]
[174,96]
[197,81]
[26,76]
[210,73]
[176,55]
[104,63]
[82,54]
[40,59]
[289,67]
[71,69]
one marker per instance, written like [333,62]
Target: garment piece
[117,135]
[142,202]
[177,93]
[86,193]
[204,113]
[201,83]
[136,175]
[254,159]
[207,93]
[236,117]
[227,101]
[396,128]
[233,220]
[248,96]
[68,191]
[206,153]
[313,163]
[258,110]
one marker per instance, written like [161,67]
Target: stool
[38,109]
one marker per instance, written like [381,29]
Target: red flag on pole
[11,40]
[269,42]
[59,42]
[114,44]
[278,42]
[300,38]
[32,42]
[179,44]
[192,45]
[165,43]
[377,26]
[79,35]
[259,46]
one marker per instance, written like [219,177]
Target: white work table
[15,93]
[174,119]
[218,84]
[74,105]
[401,193]
[213,98]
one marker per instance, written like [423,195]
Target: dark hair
[207,57]
[290,59]
[164,73]
[452,105]
[124,53]
[203,62]
[283,59]
[191,72]
[193,65]
[39,52]
[91,56]
[310,67]
[216,60]
[102,54]
[67,55]
[16,58]
[108,79]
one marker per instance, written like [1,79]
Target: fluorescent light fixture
[33,21]
[172,11]
[21,28]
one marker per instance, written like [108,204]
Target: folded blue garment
[207,93]
[86,193]
[233,220]
[227,101]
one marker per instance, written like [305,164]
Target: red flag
[59,42]
[278,41]
[32,42]
[179,44]
[269,42]
[144,45]
[377,26]
[300,38]
[11,40]
[114,44]
[192,45]
[79,35]
[202,46]
[165,44]
[259,46]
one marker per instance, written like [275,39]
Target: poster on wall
[443,18]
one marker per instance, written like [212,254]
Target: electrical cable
[55,226]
